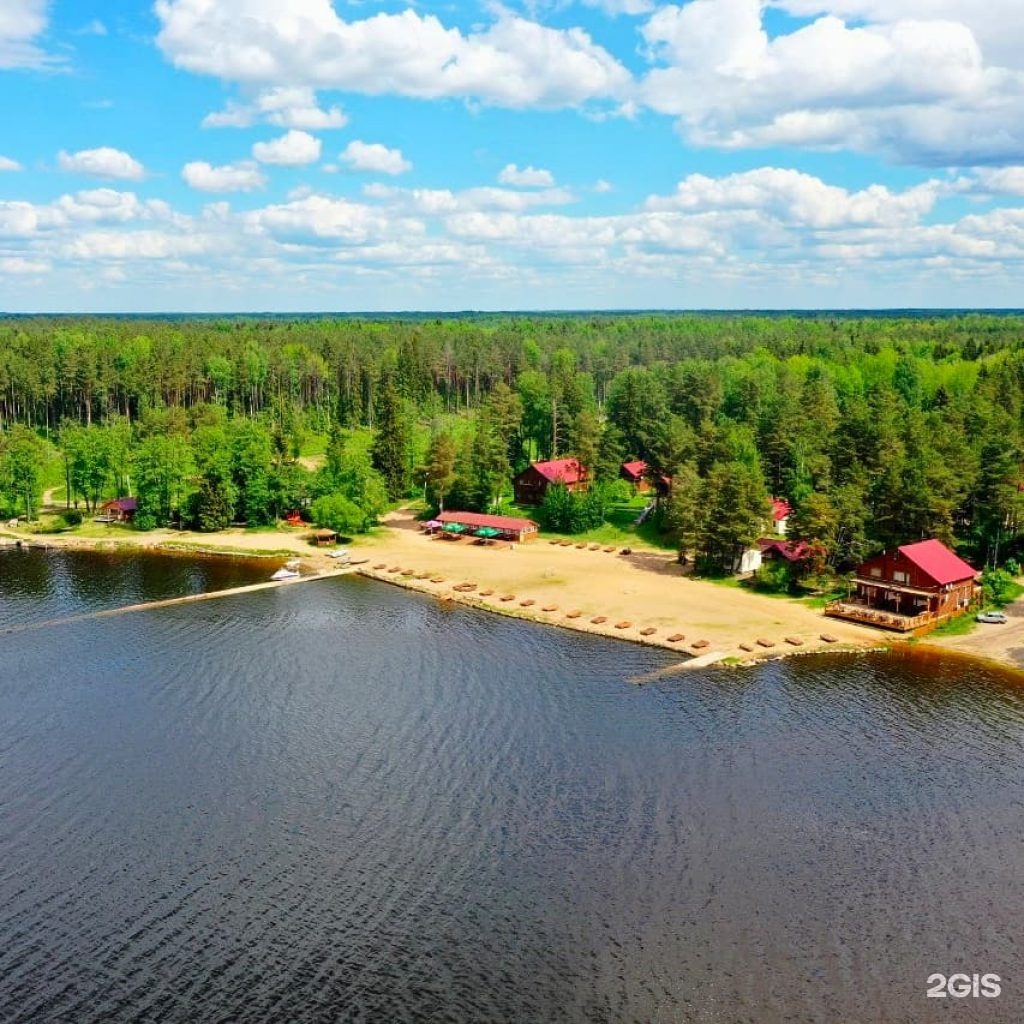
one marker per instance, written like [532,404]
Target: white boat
[338,553]
[288,571]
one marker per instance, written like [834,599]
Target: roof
[791,550]
[934,559]
[561,471]
[636,468]
[780,509]
[478,519]
[122,504]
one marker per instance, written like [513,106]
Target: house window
[876,572]
[900,577]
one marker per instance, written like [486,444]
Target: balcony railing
[857,612]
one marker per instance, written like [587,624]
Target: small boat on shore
[288,571]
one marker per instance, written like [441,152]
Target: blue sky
[309,155]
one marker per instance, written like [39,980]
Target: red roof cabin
[120,510]
[508,527]
[638,473]
[781,510]
[532,484]
[912,588]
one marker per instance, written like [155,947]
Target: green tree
[392,445]
[439,470]
[737,512]
[24,457]
[339,513]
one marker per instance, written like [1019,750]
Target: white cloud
[512,62]
[240,177]
[778,233]
[797,198]
[916,88]
[616,7]
[442,201]
[21,265]
[7,164]
[292,149]
[93,28]
[21,23]
[527,177]
[374,158]
[601,186]
[286,107]
[104,162]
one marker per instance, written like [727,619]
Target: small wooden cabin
[532,484]
[640,475]
[120,510]
[913,587]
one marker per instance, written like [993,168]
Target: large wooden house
[912,588]
[532,484]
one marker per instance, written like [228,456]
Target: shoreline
[643,598]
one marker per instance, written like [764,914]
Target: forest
[878,430]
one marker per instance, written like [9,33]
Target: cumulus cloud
[512,62]
[240,177]
[7,164]
[286,107]
[374,158]
[527,177]
[292,149]
[104,162]
[770,228]
[797,198]
[21,23]
[916,88]
[438,201]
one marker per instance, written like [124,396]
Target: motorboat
[288,571]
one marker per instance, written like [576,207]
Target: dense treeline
[878,430]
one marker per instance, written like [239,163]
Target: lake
[345,802]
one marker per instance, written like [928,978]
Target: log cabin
[910,589]
[532,484]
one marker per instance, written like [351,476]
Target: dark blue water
[343,802]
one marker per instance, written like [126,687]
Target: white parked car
[996,618]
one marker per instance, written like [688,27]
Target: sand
[1004,644]
[632,594]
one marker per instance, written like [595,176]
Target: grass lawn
[620,528]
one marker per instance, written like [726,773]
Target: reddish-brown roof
[561,471]
[635,469]
[934,559]
[478,519]
[791,550]
[122,504]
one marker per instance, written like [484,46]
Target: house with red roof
[532,484]
[120,510]
[508,527]
[911,588]
[639,474]
[781,510]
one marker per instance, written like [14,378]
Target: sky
[372,155]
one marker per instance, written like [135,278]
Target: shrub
[72,517]
[999,586]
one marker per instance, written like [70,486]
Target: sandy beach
[644,597]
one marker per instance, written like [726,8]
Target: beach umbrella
[434,524]
[454,528]
[487,532]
